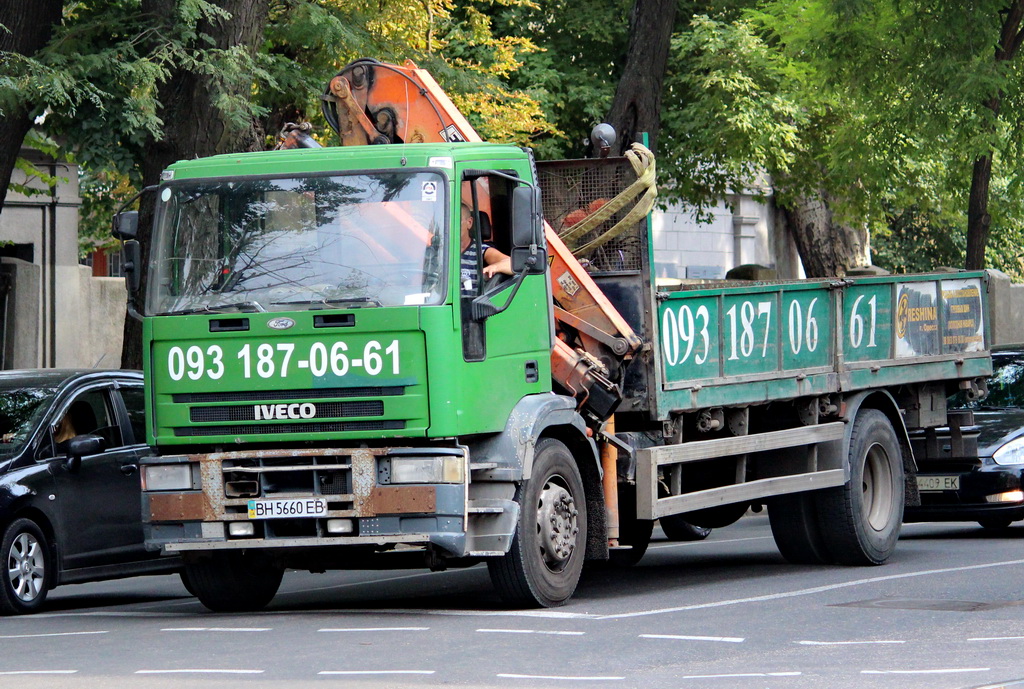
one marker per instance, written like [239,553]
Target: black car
[70,499]
[972,471]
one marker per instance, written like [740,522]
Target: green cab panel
[262,377]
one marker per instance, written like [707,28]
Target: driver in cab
[495,262]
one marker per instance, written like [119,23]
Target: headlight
[427,469]
[167,477]
[1010,453]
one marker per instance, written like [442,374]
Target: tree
[205,111]
[978,219]
[25,29]
[636,106]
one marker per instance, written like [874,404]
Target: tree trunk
[29,27]
[636,107]
[193,125]
[826,248]
[978,219]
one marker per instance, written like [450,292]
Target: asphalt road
[946,612]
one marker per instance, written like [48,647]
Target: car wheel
[27,560]
[995,523]
[678,529]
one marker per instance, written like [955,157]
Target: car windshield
[21,409]
[1005,387]
[345,241]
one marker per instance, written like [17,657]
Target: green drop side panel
[720,346]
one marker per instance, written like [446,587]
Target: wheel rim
[26,567]
[556,523]
[877,488]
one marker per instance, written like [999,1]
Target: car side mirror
[82,445]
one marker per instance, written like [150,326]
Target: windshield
[21,409]
[359,240]
[1005,387]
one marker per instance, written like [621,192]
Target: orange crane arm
[371,102]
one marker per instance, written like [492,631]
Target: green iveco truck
[331,384]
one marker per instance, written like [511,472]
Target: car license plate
[287,508]
[938,483]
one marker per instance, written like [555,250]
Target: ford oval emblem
[280,323]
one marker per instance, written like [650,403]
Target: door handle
[129,469]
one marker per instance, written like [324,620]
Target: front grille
[265,396]
[324,410]
[329,475]
[294,427]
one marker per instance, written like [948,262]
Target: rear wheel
[861,520]
[27,561]
[233,582]
[678,529]
[544,562]
[796,528]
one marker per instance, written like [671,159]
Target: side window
[89,413]
[135,402]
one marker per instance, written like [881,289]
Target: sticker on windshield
[428,191]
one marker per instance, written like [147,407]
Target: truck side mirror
[528,251]
[126,225]
[131,264]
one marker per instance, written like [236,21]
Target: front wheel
[861,520]
[545,559]
[27,559]
[233,582]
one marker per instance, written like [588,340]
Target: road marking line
[198,671]
[376,672]
[744,674]
[38,672]
[529,631]
[847,643]
[33,636]
[217,629]
[977,638]
[925,672]
[809,591]
[559,677]
[728,639]
[374,629]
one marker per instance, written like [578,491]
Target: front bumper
[974,500]
[376,513]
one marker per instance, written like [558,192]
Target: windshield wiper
[352,301]
[219,308]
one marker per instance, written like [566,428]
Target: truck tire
[632,532]
[796,528]
[233,582]
[545,559]
[26,574]
[678,529]
[861,520]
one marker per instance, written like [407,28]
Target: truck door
[506,354]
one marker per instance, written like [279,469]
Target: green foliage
[732,112]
